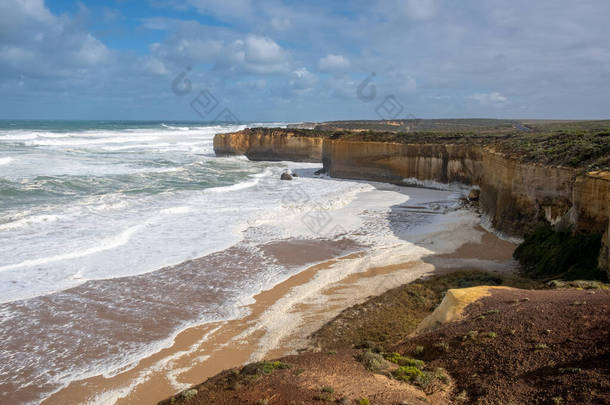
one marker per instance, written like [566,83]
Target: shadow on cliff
[423,220]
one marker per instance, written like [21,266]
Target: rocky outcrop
[270,144]
[516,196]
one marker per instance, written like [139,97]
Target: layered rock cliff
[516,196]
[270,144]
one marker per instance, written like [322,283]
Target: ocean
[116,236]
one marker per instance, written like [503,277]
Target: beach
[280,319]
[142,263]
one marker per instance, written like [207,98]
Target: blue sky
[277,60]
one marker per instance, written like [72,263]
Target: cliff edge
[556,174]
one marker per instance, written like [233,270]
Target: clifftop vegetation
[577,144]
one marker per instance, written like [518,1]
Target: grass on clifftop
[577,144]
[585,148]
[549,254]
[585,145]
[383,321]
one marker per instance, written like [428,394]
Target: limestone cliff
[516,196]
[270,144]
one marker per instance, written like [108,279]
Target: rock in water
[474,194]
[320,171]
[286,176]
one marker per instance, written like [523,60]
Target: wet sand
[280,319]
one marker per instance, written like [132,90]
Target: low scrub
[373,361]
[407,373]
[405,361]
[263,367]
[549,254]
[383,321]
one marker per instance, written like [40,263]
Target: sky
[288,60]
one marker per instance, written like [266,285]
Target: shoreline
[305,301]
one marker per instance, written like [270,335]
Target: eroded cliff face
[274,145]
[516,196]
[394,162]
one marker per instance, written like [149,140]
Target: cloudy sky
[288,60]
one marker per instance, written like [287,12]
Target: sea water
[114,236]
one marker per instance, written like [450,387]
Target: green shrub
[184,396]
[396,358]
[263,367]
[547,254]
[407,373]
[373,361]
[432,381]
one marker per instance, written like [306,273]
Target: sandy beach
[281,318]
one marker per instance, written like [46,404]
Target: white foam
[435,185]
[6,160]
[17,136]
[165,364]
[487,224]
[443,235]
[29,221]
[174,127]
[177,210]
[100,246]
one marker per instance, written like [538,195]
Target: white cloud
[262,50]
[334,63]
[155,66]
[190,43]
[493,54]
[254,54]
[34,42]
[92,51]
[303,79]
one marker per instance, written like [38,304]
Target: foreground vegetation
[556,338]
[380,323]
